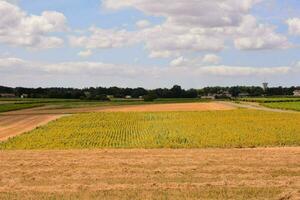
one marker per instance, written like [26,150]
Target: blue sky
[76,43]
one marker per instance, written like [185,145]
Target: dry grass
[151,174]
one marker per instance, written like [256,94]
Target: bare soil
[270,173]
[12,125]
[172,107]
[127,108]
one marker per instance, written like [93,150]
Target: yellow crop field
[221,129]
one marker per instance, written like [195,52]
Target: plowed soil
[172,107]
[12,125]
[272,173]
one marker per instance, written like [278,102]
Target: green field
[269,99]
[17,106]
[284,105]
[218,129]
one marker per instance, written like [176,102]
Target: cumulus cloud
[34,71]
[96,68]
[143,23]
[195,61]
[189,27]
[85,53]
[104,38]
[20,29]
[178,61]
[193,12]
[243,71]
[294,26]
[18,65]
[211,59]
[176,39]
[251,35]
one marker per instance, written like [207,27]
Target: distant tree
[151,96]
[176,91]
[191,93]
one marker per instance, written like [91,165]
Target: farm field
[139,152]
[270,99]
[284,105]
[262,173]
[21,121]
[17,106]
[221,129]
[7,104]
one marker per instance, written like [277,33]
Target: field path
[255,106]
[262,173]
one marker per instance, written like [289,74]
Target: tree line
[101,93]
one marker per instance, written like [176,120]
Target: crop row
[224,129]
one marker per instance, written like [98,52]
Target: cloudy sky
[130,43]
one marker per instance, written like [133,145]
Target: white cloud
[17,65]
[294,26]
[176,39]
[193,12]
[189,27]
[16,70]
[243,71]
[178,61]
[196,61]
[104,38]
[107,69]
[160,54]
[143,24]
[211,59]
[253,36]
[85,53]
[20,29]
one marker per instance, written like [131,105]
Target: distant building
[110,96]
[265,86]
[208,97]
[219,95]
[297,93]
[128,97]
[23,96]
[7,95]
[223,94]
[244,94]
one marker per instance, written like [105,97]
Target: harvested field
[12,125]
[172,107]
[151,174]
[128,108]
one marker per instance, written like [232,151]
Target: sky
[144,43]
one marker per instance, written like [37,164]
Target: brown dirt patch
[12,125]
[172,107]
[272,173]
